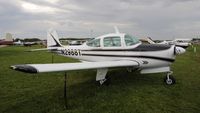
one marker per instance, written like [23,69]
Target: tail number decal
[71,52]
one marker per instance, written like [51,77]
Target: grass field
[127,93]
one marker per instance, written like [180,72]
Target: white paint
[155,70]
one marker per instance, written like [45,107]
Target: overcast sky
[159,19]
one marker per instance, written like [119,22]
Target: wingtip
[24,68]
[12,67]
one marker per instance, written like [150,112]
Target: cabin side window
[94,43]
[130,40]
[112,42]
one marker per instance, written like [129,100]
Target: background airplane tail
[52,39]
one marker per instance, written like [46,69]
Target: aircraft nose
[179,50]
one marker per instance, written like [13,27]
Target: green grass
[127,93]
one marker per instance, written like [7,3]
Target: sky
[158,19]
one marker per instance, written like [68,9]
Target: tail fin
[52,39]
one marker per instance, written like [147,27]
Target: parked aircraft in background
[8,40]
[18,43]
[178,42]
[182,42]
[109,51]
[147,40]
[166,42]
[29,43]
[24,43]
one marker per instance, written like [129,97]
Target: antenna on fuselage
[116,29]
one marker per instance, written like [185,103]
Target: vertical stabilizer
[52,39]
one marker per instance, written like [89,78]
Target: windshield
[94,43]
[130,40]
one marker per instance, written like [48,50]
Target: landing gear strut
[169,79]
[129,69]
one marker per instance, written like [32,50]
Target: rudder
[52,39]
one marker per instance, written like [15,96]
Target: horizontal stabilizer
[37,68]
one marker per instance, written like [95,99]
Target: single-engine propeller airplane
[109,51]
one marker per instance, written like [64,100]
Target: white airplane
[18,43]
[147,40]
[182,42]
[29,43]
[109,51]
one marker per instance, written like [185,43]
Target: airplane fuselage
[147,55]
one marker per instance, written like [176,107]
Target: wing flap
[37,68]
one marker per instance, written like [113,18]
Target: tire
[171,80]
[106,82]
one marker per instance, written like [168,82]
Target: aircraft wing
[38,68]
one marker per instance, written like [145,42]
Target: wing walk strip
[136,56]
[37,68]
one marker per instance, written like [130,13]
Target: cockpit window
[112,42]
[130,40]
[94,43]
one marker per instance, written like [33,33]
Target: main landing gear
[169,79]
[105,81]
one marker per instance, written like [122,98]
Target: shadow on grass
[86,95]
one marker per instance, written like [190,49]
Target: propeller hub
[179,50]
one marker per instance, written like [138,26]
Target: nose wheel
[169,79]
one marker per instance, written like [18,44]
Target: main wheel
[105,81]
[169,80]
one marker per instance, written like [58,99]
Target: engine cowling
[179,50]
